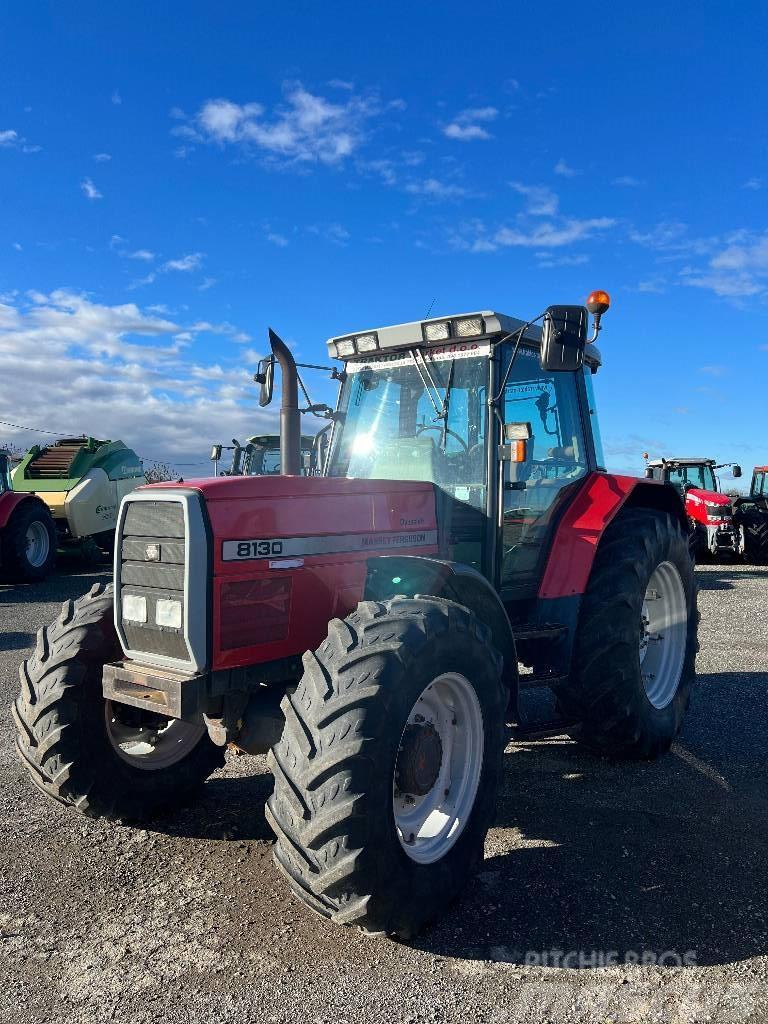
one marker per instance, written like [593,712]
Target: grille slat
[152,574]
[154,519]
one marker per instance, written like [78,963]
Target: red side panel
[9,501]
[573,548]
[290,553]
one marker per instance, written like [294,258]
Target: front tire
[106,761]
[389,764]
[634,653]
[29,542]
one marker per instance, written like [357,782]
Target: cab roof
[493,325]
[682,460]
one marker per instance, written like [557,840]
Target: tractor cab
[260,456]
[710,512]
[466,403]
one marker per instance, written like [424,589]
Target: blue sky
[176,177]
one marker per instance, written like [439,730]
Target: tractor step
[542,730]
[532,682]
[539,631]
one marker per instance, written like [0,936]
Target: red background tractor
[27,532]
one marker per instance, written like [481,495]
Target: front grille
[152,566]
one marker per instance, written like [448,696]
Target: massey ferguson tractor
[710,512]
[751,515]
[27,533]
[375,628]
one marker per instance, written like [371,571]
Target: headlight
[438,330]
[468,327]
[346,347]
[134,608]
[167,613]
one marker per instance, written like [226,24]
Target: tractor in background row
[27,532]
[710,512]
[82,481]
[260,456]
[751,515]
[374,627]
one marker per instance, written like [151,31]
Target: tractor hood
[697,496]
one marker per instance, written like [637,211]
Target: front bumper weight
[154,689]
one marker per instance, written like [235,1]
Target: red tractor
[710,512]
[27,532]
[374,627]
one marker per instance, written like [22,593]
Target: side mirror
[736,472]
[216,453]
[265,376]
[563,338]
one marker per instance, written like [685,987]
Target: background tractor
[751,515]
[82,480]
[27,532]
[710,512]
[260,456]
[374,628]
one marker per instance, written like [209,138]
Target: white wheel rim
[151,747]
[428,825]
[37,544]
[663,635]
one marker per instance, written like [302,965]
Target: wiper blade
[427,381]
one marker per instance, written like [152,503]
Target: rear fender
[579,532]
[390,575]
[10,501]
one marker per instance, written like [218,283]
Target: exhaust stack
[290,417]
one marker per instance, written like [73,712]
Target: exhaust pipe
[290,417]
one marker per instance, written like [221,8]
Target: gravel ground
[188,920]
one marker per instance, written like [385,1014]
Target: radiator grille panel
[152,560]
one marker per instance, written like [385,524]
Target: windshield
[700,476]
[392,428]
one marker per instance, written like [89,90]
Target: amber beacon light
[597,303]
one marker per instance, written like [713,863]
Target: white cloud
[306,128]
[10,139]
[335,233]
[432,188]
[542,201]
[119,371]
[18,246]
[276,239]
[713,371]
[102,158]
[754,184]
[467,126]
[475,237]
[89,189]
[116,98]
[564,169]
[141,254]
[184,264]
[627,181]
[737,270]
[206,283]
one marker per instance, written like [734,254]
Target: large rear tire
[755,526]
[29,542]
[106,761]
[634,653]
[389,764]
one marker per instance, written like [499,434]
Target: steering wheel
[448,430]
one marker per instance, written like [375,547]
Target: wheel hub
[419,760]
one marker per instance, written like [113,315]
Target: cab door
[560,455]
